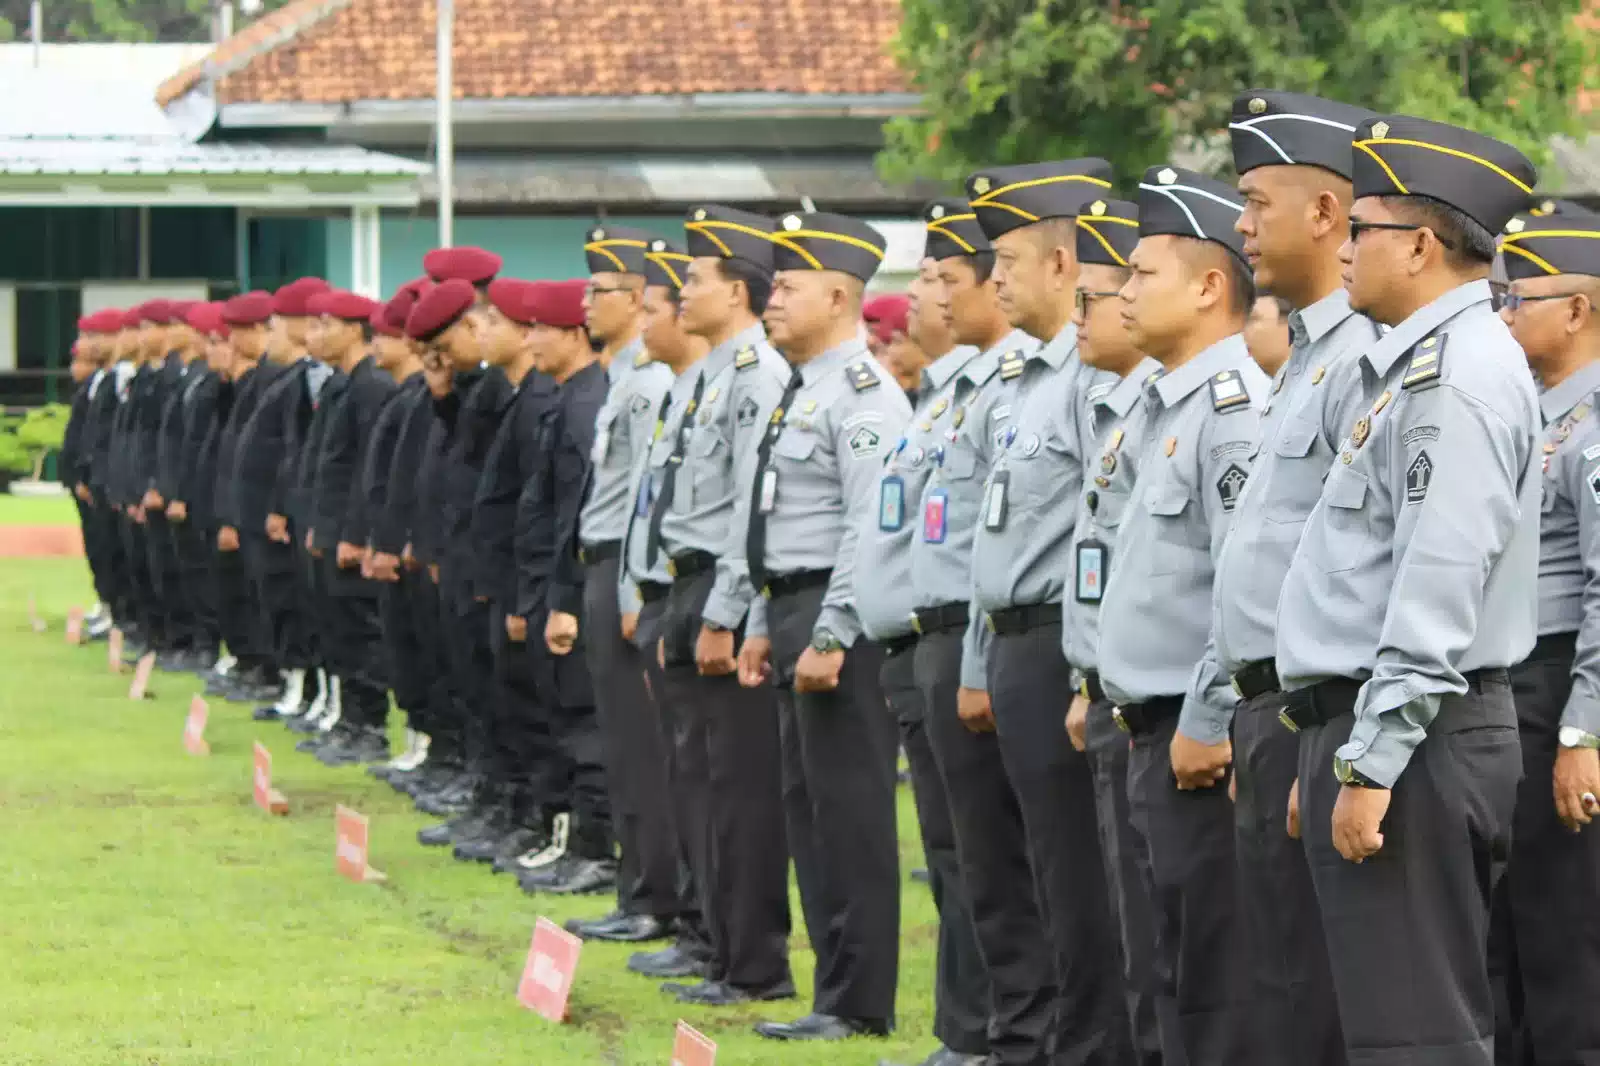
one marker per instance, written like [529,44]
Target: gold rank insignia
[925,426]
[1380,130]
[1359,432]
[1563,431]
[809,406]
[1383,401]
[861,376]
[939,406]
[1012,363]
[1108,462]
[1549,449]
[1228,392]
[745,357]
[1170,446]
[1318,374]
[1097,208]
[1257,106]
[712,395]
[1103,482]
[642,359]
[958,416]
[980,185]
[1116,439]
[1427,363]
[700,214]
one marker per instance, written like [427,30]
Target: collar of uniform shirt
[1059,348]
[623,360]
[830,360]
[1173,386]
[1322,317]
[937,374]
[722,355]
[1120,400]
[1401,339]
[1564,397]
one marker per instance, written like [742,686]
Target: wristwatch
[824,641]
[1571,736]
[1347,774]
[715,627]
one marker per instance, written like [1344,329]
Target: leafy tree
[43,430]
[1018,80]
[117,20]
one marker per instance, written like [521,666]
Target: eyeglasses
[1513,301]
[1082,298]
[1357,228]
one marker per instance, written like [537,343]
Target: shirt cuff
[1582,712]
[841,622]
[1379,755]
[1204,723]
[724,611]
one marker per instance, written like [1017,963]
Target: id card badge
[1093,567]
[934,512]
[891,504]
[769,491]
[998,504]
[647,493]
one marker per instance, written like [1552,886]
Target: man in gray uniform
[886,601]
[1550,888]
[1293,156]
[1185,304]
[1413,590]
[1107,234]
[725,736]
[1019,562]
[814,473]
[986,819]
[635,777]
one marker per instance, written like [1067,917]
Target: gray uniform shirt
[645,485]
[1420,560]
[1569,535]
[1315,398]
[1119,419]
[621,434]
[885,595]
[1194,461]
[941,569]
[744,381]
[822,474]
[1031,498]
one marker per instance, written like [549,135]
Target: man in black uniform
[91,407]
[133,450]
[550,585]
[183,348]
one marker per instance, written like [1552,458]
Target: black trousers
[1550,919]
[1290,983]
[95,550]
[1030,687]
[175,599]
[635,744]
[197,559]
[522,750]
[408,618]
[1152,1011]
[278,579]
[569,696]
[839,753]
[992,851]
[1408,929]
[727,764]
[142,606]
[961,1004]
[352,645]
[465,625]
[239,614]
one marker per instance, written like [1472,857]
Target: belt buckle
[672,567]
[1288,721]
[1237,691]
[1083,688]
[988,622]
[916,624]
[766,592]
[1122,723]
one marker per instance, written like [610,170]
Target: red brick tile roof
[335,51]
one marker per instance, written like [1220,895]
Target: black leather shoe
[438,836]
[719,994]
[670,961]
[587,877]
[619,928]
[484,844]
[821,1027]
[356,747]
[455,797]
[516,844]
[945,1057]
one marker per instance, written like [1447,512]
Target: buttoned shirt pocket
[708,460]
[1347,528]
[1550,495]
[1177,530]
[1040,479]
[798,447]
[1298,485]
[960,464]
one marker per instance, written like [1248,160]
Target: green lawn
[151,916]
[41,511]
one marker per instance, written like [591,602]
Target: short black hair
[1241,285]
[1202,255]
[1470,244]
[1060,232]
[367,332]
[982,265]
[757,281]
[1285,308]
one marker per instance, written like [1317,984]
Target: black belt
[654,591]
[1321,703]
[778,587]
[895,645]
[941,618]
[599,553]
[1257,679]
[1142,719]
[1090,688]
[1012,620]
[691,564]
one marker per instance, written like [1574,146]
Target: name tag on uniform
[1093,560]
[602,446]
[934,510]
[769,492]
[891,504]
[641,506]
[997,506]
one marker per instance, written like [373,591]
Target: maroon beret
[887,315]
[558,303]
[440,308]
[515,298]
[133,317]
[462,264]
[107,320]
[178,311]
[291,300]
[394,313]
[155,312]
[249,308]
[206,318]
[337,303]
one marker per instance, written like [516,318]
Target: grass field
[151,916]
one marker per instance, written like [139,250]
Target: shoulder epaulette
[1228,391]
[746,357]
[862,376]
[642,359]
[1427,363]
[1011,364]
